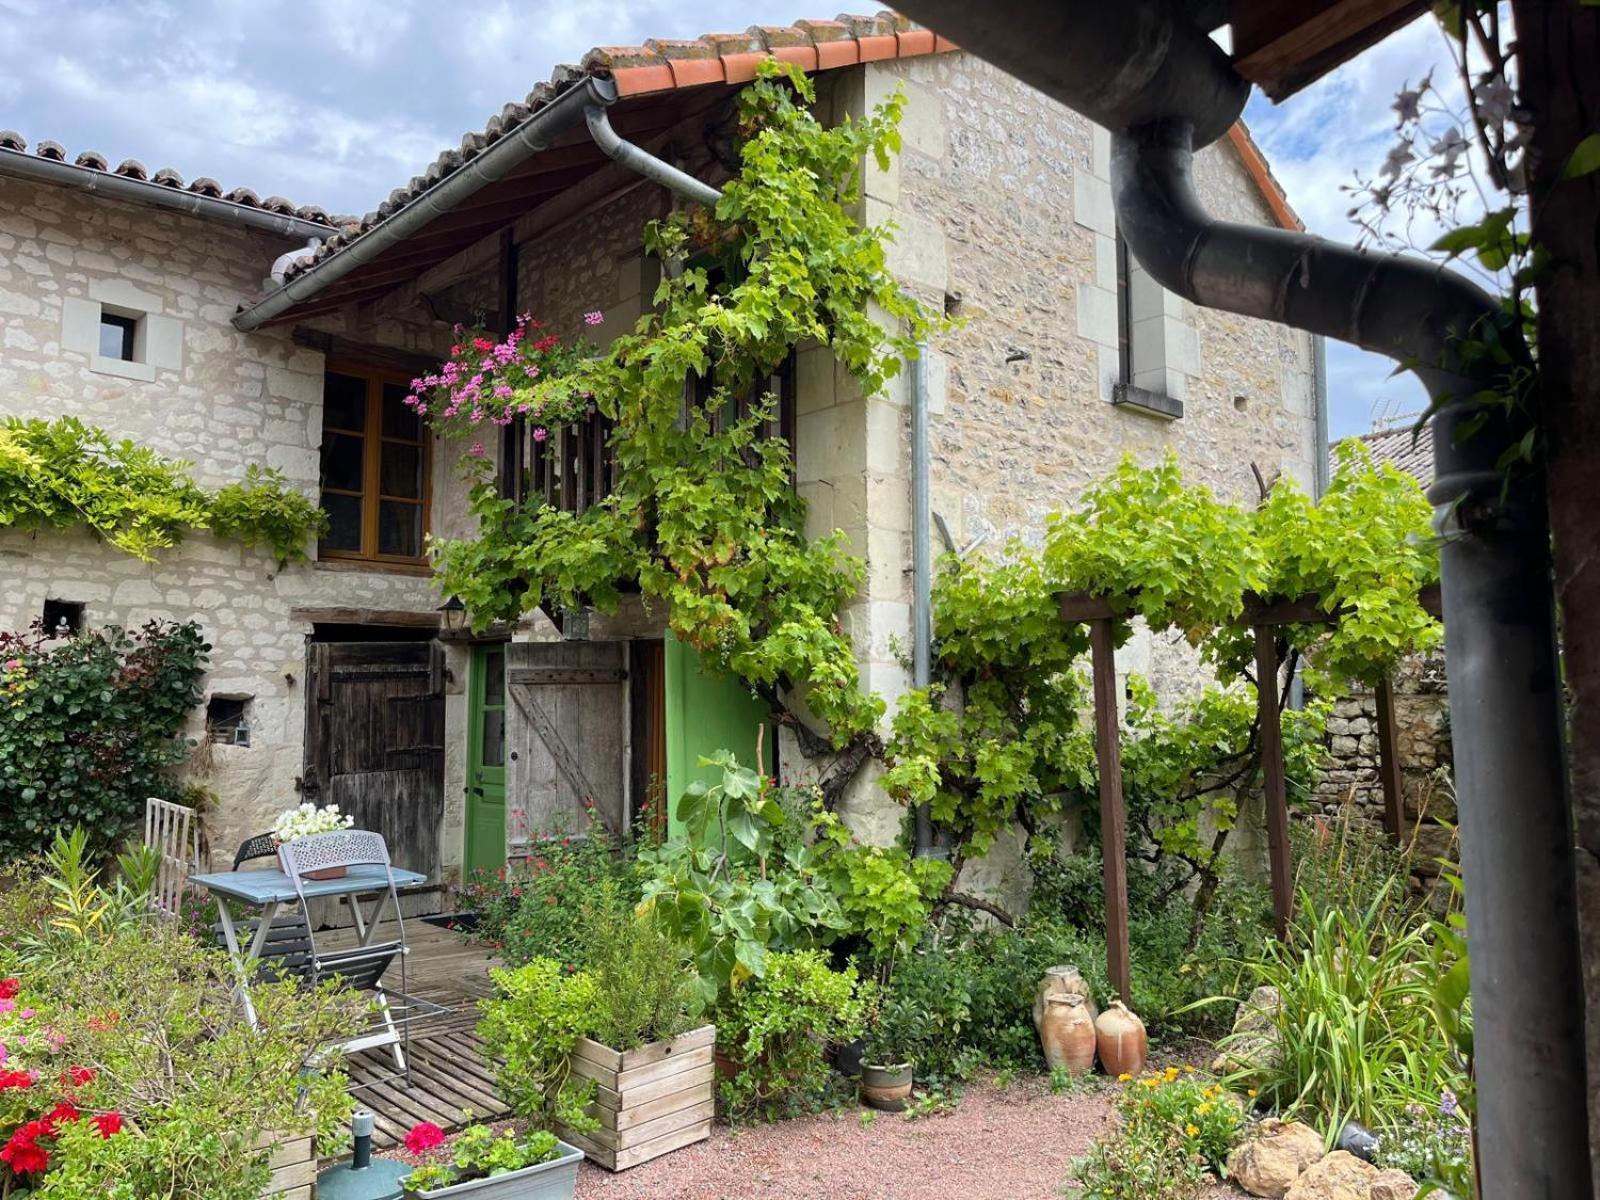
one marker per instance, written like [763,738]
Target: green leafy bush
[89,727]
[64,473]
[645,979]
[1171,1129]
[478,1152]
[777,1028]
[541,1010]
[535,909]
[1359,1033]
[265,510]
[148,1045]
[925,1017]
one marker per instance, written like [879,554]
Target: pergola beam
[1113,813]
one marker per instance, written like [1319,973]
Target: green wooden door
[486,760]
[705,714]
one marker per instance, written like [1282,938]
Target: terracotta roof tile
[167,177]
[1397,445]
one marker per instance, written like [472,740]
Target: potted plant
[483,1164]
[305,821]
[888,1066]
[609,1056]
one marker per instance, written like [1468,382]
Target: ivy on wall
[63,473]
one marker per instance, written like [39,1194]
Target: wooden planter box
[294,1169]
[649,1101]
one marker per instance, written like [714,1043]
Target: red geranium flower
[65,1111]
[423,1137]
[108,1123]
[22,1153]
[9,988]
[77,1076]
[15,1079]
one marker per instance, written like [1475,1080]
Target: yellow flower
[1203,1109]
[1251,1093]
[1191,1130]
[1188,1070]
[1124,1077]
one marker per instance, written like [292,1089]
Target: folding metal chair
[360,967]
[286,953]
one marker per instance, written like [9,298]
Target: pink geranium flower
[423,1137]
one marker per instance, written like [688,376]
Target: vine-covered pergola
[1263,616]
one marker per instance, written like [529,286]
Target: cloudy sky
[337,102]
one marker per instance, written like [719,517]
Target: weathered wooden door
[566,732]
[375,741]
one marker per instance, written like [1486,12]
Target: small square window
[117,336]
[62,618]
[228,720]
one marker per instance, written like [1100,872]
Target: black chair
[287,952]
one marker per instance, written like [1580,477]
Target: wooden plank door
[486,761]
[566,717]
[375,741]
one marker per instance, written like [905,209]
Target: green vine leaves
[704,517]
[1183,560]
[64,473]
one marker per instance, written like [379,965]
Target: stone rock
[1254,1044]
[1268,1164]
[1392,1184]
[1339,1176]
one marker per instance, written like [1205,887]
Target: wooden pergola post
[1394,812]
[1274,787]
[1113,816]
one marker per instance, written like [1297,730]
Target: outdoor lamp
[453,616]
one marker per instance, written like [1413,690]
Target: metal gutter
[143,191]
[1319,398]
[532,136]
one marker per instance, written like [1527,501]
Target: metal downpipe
[642,162]
[1500,633]
[921,556]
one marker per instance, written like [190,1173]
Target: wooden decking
[451,1075]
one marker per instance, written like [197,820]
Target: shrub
[145,1079]
[89,727]
[477,1152]
[1005,968]
[777,1028]
[1171,1128]
[542,1010]
[536,909]
[645,981]
[926,1016]
[1359,1034]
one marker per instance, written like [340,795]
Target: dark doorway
[375,741]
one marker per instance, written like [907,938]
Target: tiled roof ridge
[662,65]
[202,185]
[1397,442]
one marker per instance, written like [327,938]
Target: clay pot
[1060,981]
[1067,1033]
[1121,1040]
[886,1087]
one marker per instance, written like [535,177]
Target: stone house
[253,343]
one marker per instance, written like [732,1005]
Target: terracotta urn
[1121,1040]
[1067,1033]
[1058,981]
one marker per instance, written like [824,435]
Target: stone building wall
[1002,205]
[228,400]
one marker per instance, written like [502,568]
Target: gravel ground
[1011,1143]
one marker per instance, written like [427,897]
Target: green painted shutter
[704,715]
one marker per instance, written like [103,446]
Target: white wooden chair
[174,832]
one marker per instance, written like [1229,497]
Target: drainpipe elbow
[281,264]
[642,162]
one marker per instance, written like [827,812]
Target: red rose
[423,1137]
[108,1123]
[9,988]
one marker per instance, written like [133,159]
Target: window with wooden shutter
[375,468]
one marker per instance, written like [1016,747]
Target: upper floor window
[118,336]
[374,468]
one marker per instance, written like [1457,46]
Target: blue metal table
[272,892]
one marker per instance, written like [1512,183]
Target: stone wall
[1002,205]
[227,400]
[1422,726]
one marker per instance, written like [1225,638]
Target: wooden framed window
[375,468]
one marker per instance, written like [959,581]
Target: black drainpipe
[1165,89]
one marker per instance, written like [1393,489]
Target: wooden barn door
[565,730]
[375,741]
